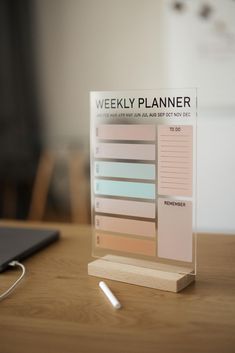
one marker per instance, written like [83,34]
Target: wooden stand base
[142,276]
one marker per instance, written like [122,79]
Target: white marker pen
[116,304]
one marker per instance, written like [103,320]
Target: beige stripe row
[125,207]
[128,226]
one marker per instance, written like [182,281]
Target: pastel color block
[127,226]
[124,189]
[175,229]
[125,207]
[125,170]
[125,151]
[126,132]
[125,244]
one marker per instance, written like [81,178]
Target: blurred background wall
[84,45]
[20,128]
[200,52]
[94,45]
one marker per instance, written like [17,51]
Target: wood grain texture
[142,276]
[59,308]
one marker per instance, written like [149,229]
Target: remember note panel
[175,229]
[175,160]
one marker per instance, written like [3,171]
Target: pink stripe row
[126,132]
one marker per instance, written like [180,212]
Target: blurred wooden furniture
[79,186]
[41,186]
[59,308]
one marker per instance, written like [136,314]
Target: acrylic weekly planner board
[143,176]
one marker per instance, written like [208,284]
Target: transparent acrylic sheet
[143,177]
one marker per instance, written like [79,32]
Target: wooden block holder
[147,275]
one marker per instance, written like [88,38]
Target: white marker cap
[115,303]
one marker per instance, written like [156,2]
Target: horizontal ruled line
[174,156]
[173,167]
[170,182]
[181,162]
[174,135]
[184,141]
[175,173]
[183,146]
[168,187]
[167,177]
[169,151]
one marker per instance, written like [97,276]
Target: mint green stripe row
[124,188]
[125,170]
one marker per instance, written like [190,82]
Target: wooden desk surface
[59,308]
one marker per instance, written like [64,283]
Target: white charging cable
[12,287]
